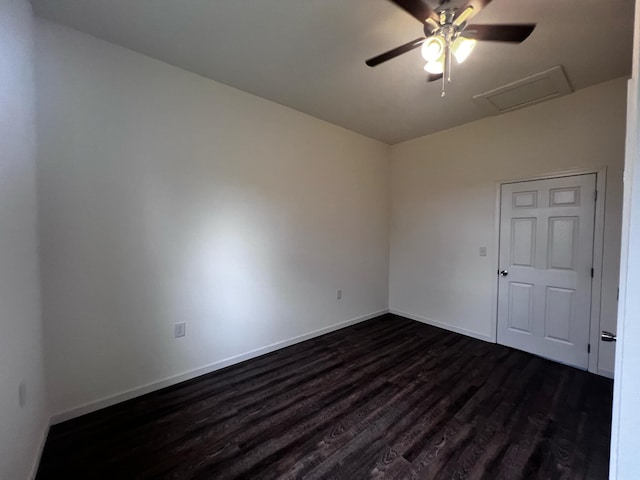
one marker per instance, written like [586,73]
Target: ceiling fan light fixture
[433,48]
[462,48]
[447,35]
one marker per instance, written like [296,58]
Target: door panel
[559,306]
[520,306]
[523,241]
[546,246]
[563,240]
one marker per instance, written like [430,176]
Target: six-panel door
[546,251]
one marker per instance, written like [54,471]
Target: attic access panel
[530,90]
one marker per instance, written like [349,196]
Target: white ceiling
[310,54]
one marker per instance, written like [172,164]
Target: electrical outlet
[483,251]
[180,329]
[339,295]
[22,393]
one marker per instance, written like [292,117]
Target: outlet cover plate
[180,329]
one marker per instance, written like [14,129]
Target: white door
[545,271]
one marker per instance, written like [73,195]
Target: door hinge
[589,348]
[595,196]
[592,273]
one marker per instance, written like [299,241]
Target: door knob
[503,273]
[607,337]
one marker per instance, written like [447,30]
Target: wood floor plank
[389,398]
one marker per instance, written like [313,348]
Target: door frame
[598,250]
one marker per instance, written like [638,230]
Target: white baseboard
[167,382]
[445,326]
[605,373]
[38,456]
[471,333]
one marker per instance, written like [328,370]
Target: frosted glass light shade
[433,48]
[462,48]
[435,67]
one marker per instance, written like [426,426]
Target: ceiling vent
[536,88]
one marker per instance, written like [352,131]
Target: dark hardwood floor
[388,398]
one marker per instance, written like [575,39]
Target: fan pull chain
[448,60]
[446,77]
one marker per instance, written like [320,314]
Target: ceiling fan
[447,34]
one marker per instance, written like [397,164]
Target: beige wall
[22,427]
[443,197]
[167,197]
